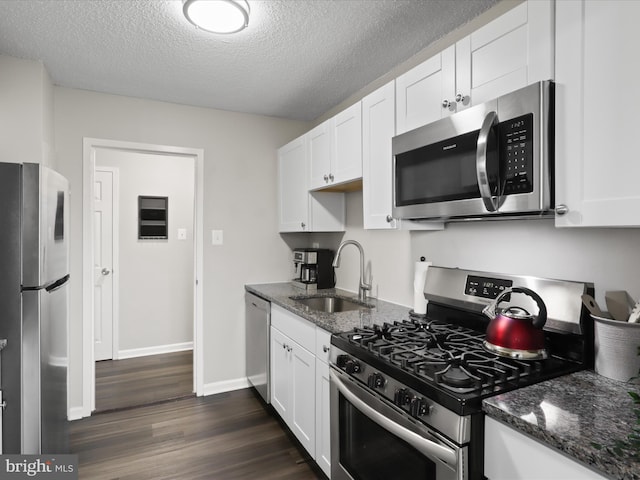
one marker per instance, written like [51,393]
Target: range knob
[351,366]
[401,397]
[348,364]
[375,380]
[419,407]
[341,361]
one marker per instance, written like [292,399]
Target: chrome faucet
[363,287]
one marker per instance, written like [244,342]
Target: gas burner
[458,375]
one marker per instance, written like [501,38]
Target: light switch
[216,237]
[182,234]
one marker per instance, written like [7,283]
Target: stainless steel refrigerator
[34,297]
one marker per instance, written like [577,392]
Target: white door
[422,91]
[303,396]
[280,374]
[103,266]
[293,190]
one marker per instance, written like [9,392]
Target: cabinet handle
[325,349]
[326,179]
[303,225]
[331,177]
[389,219]
[284,345]
[289,348]
[562,209]
[448,104]
[460,98]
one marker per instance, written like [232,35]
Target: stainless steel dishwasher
[258,323]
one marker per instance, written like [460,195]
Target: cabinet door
[347,145]
[303,397]
[597,100]
[280,370]
[421,91]
[293,187]
[528,459]
[323,419]
[378,128]
[320,153]
[511,52]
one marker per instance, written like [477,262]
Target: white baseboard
[225,386]
[146,351]
[75,413]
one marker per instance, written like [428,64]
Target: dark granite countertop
[571,413]
[381,311]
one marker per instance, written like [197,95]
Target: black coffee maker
[313,269]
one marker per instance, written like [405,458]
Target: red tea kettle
[514,332]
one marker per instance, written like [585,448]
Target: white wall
[610,258]
[156,276]
[239,198]
[26,112]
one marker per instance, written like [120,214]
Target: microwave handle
[490,202]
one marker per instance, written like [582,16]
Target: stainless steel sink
[330,304]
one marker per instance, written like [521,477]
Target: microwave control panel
[516,142]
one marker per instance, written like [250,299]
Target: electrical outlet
[216,237]
[182,234]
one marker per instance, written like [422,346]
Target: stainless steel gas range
[406,397]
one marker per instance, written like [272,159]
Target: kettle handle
[541,318]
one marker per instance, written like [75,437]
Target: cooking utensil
[618,304]
[593,306]
[514,332]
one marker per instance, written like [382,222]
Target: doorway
[133,343]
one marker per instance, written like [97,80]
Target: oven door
[371,439]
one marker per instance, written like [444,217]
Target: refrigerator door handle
[57,284]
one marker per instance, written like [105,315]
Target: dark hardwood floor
[227,436]
[143,380]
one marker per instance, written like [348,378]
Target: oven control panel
[486,287]
[401,396]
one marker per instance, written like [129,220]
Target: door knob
[105,271]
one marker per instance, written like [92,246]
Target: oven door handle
[424,446]
[490,203]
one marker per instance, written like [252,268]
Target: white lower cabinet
[511,455]
[293,378]
[323,419]
[300,381]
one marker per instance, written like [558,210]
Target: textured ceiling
[297,59]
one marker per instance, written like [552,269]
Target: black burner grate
[447,355]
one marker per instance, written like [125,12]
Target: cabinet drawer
[297,328]
[323,342]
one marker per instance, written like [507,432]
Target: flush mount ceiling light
[218,16]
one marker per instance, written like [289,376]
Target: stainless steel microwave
[491,160]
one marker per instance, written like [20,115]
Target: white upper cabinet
[298,209]
[347,145]
[511,52]
[597,100]
[320,153]
[293,188]
[335,149]
[378,129]
[421,93]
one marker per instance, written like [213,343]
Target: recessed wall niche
[153,215]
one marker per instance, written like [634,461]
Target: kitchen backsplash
[610,258]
